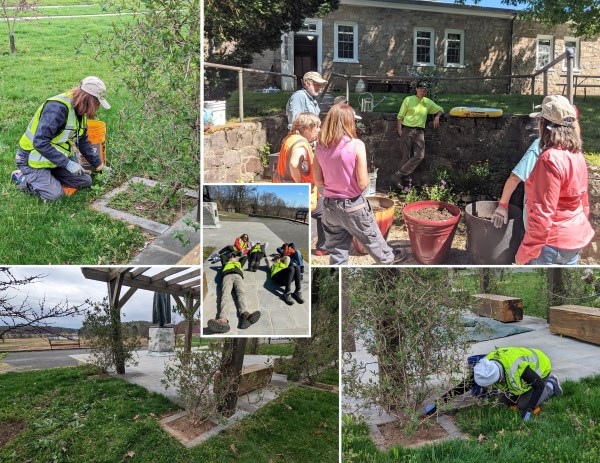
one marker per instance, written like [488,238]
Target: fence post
[533,86]
[545,83]
[241,94]
[347,88]
[570,57]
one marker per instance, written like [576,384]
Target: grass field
[265,104]
[72,418]
[567,430]
[52,57]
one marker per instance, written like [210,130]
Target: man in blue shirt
[304,100]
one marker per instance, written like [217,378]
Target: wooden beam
[576,322]
[165,273]
[130,292]
[139,271]
[501,308]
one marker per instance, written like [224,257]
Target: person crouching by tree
[282,273]
[46,158]
[233,280]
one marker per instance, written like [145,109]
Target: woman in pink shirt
[341,169]
[557,192]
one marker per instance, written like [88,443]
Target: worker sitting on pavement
[289,250]
[233,280]
[520,375]
[241,245]
[47,160]
[282,273]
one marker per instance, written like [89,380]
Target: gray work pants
[235,282]
[412,149]
[48,183]
[347,218]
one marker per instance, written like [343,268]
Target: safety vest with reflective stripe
[282,172]
[240,244]
[514,360]
[62,142]
[232,265]
[277,267]
[256,248]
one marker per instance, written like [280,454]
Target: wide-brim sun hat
[486,372]
[556,109]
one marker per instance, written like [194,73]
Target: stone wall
[232,152]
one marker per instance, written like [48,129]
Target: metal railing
[569,55]
[240,72]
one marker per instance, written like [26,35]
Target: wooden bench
[582,81]
[576,321]
[501,308]
[62,341]
[301,215]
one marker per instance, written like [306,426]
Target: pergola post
[231,371]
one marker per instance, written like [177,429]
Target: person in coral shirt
[557,204]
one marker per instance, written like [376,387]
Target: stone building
[406,37]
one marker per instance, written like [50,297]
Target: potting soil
[431,213]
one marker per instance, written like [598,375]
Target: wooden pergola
[183,283]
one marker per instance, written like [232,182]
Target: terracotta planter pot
[488,245]
[383,217]
[431,240]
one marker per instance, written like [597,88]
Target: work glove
[103,169]
[75,168]
[527,414]
[500,215]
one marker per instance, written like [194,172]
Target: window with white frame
[545,50]
[454,48]
[572,42]
[345,42]
[423,41]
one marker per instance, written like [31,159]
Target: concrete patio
[277,318]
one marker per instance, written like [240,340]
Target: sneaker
[18,177]
[287,298]
[399,255]
[218,326]
[248,319]
[552,379]
[298,296]
[320,252]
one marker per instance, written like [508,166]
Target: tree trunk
[231,370]
[485,276]
[252,346]
[189,328]
[556,288]
[348,341]
[13,46]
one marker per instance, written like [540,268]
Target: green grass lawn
[286,348]
[267,104]
[329,376]
[567,430]
[72,418]
[53,57]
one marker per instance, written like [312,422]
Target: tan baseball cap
[556,109]
[315,77]
[94,86]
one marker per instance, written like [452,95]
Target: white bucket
[372,188]
[217,108]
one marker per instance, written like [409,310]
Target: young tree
[11,10]
[582,15]
[23,315]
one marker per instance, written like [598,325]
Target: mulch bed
[188,428]
[9,430]
[427,432]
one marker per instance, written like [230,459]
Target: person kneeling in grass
[282,273]
[233,280]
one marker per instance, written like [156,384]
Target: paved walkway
[42,359]
[150,372]
[277,318]
[571,359]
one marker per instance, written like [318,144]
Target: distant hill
[28,331]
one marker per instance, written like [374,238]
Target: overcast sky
[68,283]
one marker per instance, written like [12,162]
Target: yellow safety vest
[256,248]
[62,142]
[277,267]
[514,360]
[232,264]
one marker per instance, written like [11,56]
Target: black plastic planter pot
[488,245]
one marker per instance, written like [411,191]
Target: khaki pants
[235,282]
[412,149]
